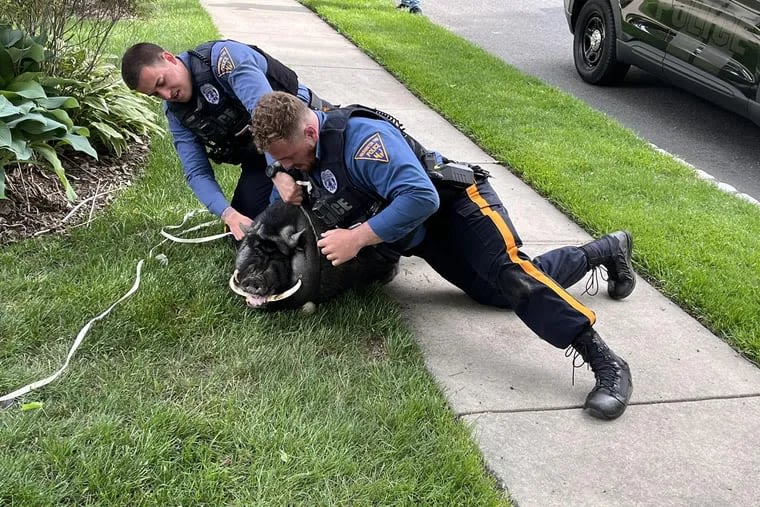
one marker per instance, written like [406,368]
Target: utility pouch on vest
[324,212]
[452,175]
[341,211]
[450,179]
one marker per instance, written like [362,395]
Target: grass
[698,245]
[182,397]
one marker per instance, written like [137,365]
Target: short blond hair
[278,115]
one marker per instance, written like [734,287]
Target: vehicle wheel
[594,45]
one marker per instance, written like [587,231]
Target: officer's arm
[412,201]
[403,182]
[242,71]
[196,166]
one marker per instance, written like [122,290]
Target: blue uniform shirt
[380,160]
[247,81]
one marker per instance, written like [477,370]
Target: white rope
[204,239]
[80,337]
[187,217]
[78,341]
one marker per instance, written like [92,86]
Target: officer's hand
[342,245]
[236,222]
[290,192]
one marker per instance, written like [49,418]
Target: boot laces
[618,266]
[592,283]
[571,351]
[600,361]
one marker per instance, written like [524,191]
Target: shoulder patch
[224,64]
[373,149]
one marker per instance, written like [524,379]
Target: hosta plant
[115,115]
[34,119]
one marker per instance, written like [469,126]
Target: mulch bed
[36,203]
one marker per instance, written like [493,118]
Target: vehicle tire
[594,42]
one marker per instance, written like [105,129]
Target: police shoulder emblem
[210,93]
[224,64]
[329,181]
[373,148]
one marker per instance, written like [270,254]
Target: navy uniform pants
[472,243]
[253,188]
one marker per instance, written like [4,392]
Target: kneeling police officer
[377,185]
[209,94]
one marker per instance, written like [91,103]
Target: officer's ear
[169,57]
[311,132]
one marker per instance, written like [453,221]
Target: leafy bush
[68,26]
[115,115]
[34,121]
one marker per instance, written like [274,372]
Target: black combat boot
[609,397]
[613,251]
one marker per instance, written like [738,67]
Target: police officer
[412,5]
[376,185]
[209,94]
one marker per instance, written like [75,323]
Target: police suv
[709,47]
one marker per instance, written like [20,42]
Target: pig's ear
[291,236]
[283,240]
[295,237]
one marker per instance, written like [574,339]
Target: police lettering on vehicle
[706,24]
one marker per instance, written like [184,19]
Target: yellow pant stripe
[512,249]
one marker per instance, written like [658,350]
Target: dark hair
[136,58]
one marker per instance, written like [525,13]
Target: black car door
[645,33]
[714,50]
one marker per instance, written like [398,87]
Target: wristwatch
[273,169]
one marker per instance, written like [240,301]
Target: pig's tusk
[274,297]
[234,286]
[286,294]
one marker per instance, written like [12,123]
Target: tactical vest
[335,198]
[219,120]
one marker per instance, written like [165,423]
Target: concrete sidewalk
[692,433]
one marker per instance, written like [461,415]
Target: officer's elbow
[434,202]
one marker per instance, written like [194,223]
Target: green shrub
[68,26]
[34,121]
[115,115]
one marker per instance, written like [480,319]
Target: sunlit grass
[182,396]
[698,245]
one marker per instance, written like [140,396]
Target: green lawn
[183,397]
[695,243]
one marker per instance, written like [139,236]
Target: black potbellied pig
[279,266]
